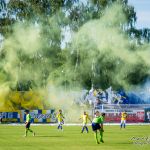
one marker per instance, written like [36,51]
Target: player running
[60,117]
[123,119]
[97,126]
[85,117]
[27,123]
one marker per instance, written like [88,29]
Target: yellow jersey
[60,117]
[85,118]
[123,116]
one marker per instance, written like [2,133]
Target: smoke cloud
[101,48]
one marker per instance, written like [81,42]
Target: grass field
[48,138]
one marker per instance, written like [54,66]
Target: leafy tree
[50,60]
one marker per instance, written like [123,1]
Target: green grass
[48,138]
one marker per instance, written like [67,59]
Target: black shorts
[28,125]
[95,126]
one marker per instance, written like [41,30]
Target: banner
[10,116]
[41,116]
[133,117]
[38,116]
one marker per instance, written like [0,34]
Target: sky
[142,8]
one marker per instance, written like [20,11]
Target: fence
[137,113]
[38,116]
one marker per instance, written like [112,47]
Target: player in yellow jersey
[85,117]
[123,119]
[60,117]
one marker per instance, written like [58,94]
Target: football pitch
[48,138]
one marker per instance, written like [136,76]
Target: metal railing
[122,107]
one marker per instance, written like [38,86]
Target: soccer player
[97,126]
[123,119]
[101,130]
[85,118]
[27,123]
[60,118]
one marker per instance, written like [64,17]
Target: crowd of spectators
[108,96]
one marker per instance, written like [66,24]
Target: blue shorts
[95,126]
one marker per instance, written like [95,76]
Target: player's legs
[95,128]
[96,136]
[84,127]
[28,129]
[124,123]
[101,136]
[60,125]
[87,130]
[121,124]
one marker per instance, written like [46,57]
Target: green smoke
[29,55]
[102,53]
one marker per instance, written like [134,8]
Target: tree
[36,65]
[30,14]
[101,66]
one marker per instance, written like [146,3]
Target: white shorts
[61,123]
[123,121]
[84,124]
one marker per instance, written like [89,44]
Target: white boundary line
[74,124]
